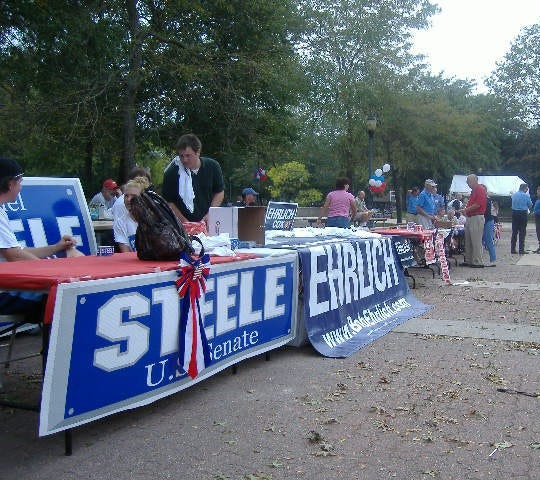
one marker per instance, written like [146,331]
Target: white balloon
[386,168]
[378,172]
[378,183]
[372,182]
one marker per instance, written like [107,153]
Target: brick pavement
[408,406]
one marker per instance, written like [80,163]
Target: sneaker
[491,265]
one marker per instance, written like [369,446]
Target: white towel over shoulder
[185,187]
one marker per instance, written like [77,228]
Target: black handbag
[160,235]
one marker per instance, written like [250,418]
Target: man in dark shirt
[191,183]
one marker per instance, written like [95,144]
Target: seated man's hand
[66,242]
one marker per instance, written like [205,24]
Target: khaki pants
[474,229]
[424,221]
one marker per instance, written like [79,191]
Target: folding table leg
[408,274]
[68,442]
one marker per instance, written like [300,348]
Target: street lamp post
[371,123]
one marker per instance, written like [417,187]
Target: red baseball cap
[110,184]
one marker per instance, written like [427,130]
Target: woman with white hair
[124,225]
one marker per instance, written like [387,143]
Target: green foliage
[309,197]
[522,156]
[263,83]
[350,48]
[445,133]
[515,79]
[287,180]
[80,83]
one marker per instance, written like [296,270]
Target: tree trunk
[133,81]
[88,163]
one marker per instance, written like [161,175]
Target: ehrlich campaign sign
[354,292]
[114,342]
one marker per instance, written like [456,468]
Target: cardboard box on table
[244,223]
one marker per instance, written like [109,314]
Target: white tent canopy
[497,185]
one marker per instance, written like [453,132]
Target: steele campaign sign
[115,342]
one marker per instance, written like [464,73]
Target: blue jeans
[487,239]
[340,222]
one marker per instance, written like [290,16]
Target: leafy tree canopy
[516,79]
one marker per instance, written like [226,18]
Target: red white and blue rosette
[194,352]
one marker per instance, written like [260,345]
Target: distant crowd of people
[193,183]
[478,216]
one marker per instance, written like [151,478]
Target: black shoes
[513,252]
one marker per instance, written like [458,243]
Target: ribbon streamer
[439,244]
[193,349]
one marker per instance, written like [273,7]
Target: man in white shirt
[11,177]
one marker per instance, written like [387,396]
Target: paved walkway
[448,395]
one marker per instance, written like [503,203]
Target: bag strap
[166,209]
[198,240]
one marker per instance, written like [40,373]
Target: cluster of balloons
[376,181]
[260,174]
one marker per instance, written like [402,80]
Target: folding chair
[10,326]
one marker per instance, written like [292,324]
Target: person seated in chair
[363,213]
[11,177]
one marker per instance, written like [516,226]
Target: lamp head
[371,123]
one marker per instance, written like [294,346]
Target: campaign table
[103,231]
[418,239]
[420,235]
[48,274]
[352,289]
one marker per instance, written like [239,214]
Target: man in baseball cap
[249,197]
[9,168]
[108,194]
[425,206]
